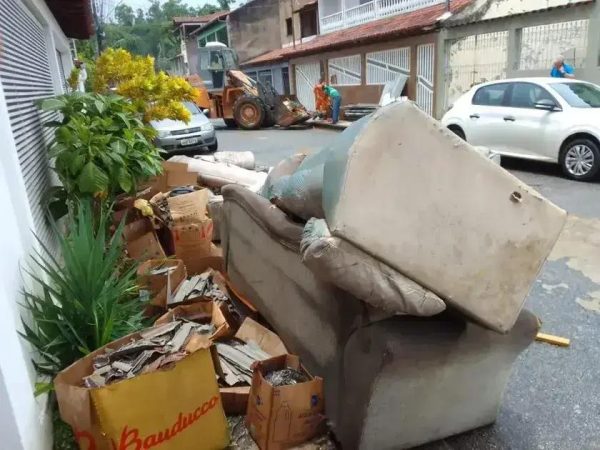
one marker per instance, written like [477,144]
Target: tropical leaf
[92,179]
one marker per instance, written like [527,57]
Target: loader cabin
[213,61]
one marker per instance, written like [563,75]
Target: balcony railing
[373,10]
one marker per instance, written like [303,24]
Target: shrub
[101,145]
[156,95]
[88,300]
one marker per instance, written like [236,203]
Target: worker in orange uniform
[322,103]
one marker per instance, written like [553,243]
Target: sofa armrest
[274,221]
[409,381]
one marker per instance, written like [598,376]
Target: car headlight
[207,127]
[163,133]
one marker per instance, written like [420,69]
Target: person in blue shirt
[560,69]
[336,100]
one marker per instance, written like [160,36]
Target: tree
[124,15]
[140,16]
[225,4]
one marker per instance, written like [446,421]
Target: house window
[308,22]
[345,71]
[265,77]
[289,27]
[541,44]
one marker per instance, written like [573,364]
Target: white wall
[24,422]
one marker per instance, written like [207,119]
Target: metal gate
[307,76]
[387,65]
[472,60]
[25,77]
[425,77]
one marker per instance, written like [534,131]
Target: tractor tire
[249,112]
[230,123]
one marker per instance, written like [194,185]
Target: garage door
[25,76]
[307,76]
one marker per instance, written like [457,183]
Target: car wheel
[580,159]
[214,147]
[458,131]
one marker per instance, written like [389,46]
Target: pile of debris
[155,348]
[236,359]
[199,286]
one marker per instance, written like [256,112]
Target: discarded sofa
[437,211]
[391,381]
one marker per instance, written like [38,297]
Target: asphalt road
[552,401]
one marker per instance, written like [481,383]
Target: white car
[545,119]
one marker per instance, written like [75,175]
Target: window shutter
[25,77]
[61,70]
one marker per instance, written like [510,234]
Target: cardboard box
[193,243]
[235,398]
[280,417]
[174,175]
[161,287]
[141,241]
[201,312]
[189,208]
[181,401]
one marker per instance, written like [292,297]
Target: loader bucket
[289,111]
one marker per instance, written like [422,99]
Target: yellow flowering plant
[154,94]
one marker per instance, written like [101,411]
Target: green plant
[101,145]
[85,302]
[73,80]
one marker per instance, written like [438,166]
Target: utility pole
[98,26]
[293,32]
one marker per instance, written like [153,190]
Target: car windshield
[192,108]
[579,95]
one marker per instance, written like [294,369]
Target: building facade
[34,59]
[363,45]
[193,33]
[511,38]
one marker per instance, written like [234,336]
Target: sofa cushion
[411,193]
[335,260]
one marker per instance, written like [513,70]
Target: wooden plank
[551,339]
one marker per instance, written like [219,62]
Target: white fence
[541,44]
[345,71]
[307,76]
[372,10]
[386,65]
[425,77]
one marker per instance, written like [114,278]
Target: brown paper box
[193,243]
[284,416]
[202,312]
[174,175]
[140,410]
[189,208]
[235,399]
[159,285]
[141,241]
